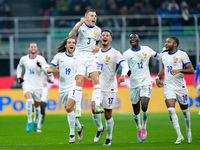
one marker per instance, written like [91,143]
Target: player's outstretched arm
[73,32]
[53,69]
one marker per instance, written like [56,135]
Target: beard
[33,52]
[104,44]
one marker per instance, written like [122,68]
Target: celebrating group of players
[83,58]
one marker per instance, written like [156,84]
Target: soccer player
[44,97]
[176,63]
[109,61]
[64,59]
[88,37]
[32,83]
[197,77]
[138,58]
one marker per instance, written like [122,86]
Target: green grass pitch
[55,133]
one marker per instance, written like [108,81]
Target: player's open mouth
[105,40]
[93,21]
[133,42]
[71,47]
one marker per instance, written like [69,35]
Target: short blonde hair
[89,10]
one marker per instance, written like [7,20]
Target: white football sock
[40,121]
[71,121]
[137,121]
[186,116]
[97,121]
[37,113]
[29,110]
[109,127]
[77,124]
[174,120]
[78,97]
[144,119]
[96,95]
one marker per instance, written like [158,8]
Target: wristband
[157,77]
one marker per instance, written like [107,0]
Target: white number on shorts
[185,97]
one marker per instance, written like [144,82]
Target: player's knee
[95,79]
[144,108]
[79,82]
[136,111]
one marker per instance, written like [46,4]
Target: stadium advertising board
[12,101]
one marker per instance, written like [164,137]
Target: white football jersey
[32,76]
[138,61]
[86,40]
[66,71]
[176,60]
[109,62]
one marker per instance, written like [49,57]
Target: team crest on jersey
[144,54]
[175,59]
[95,34]
[107,59]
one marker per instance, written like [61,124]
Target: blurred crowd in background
[112,7]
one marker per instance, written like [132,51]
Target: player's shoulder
[114,50]
[25,57]
[97,27]
[40,57]
[60,54]
[182,53]
[146,48]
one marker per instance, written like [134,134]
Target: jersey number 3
[89,39]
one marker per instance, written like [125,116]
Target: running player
[176,63]
[64,59]
[138,58]
[32,83]
[109,61]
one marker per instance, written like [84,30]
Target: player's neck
[32,55]
[70,54]
[172,51]
[105,48]
[136,47]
